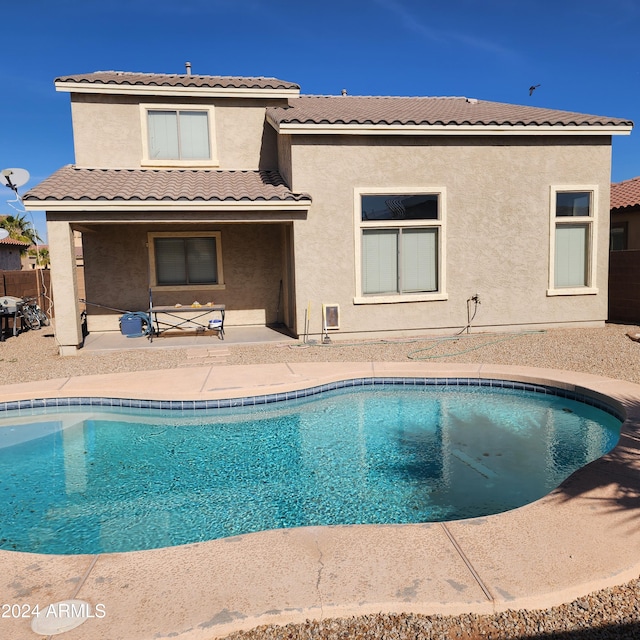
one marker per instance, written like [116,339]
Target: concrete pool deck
[582,537]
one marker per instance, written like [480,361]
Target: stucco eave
[192,205]
[175,91]
[449,130]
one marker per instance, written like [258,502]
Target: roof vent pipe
[188,67]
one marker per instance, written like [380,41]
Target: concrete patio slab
[555,550]
[106,341]
[25,390]
[29,581]
[581,537]
[184,383]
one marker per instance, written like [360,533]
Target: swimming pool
[92,479]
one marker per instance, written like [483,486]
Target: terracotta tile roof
[361,110]
[625,194]
[11,242]
[135,185]
[177,80]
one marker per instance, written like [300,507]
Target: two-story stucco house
[396,209]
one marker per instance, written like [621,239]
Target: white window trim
[158,162]
[592,222]
[153,279]
[440,224]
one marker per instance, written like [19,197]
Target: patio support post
[64,283]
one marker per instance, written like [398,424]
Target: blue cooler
[131,325]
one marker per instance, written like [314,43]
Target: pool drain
[60,617]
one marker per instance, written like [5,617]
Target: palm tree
[41,256]
[20,228]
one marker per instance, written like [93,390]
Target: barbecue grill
[10,304]
[10,307]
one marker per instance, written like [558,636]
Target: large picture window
[573,242]
[400,240]
[186,260]
[399,260]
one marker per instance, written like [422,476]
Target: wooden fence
[28,283]
[624,287]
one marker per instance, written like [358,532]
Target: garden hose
[412,354]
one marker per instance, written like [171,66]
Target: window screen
[179,135]
[181,261]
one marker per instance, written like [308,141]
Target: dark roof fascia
[628,208]
[12,242]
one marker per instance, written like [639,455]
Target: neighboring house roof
[360,111]
[625,194]
[11,242]
[166,83]
[199,187]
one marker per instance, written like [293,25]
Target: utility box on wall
[331,316]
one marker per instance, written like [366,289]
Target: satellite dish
[14,178]
[3,234]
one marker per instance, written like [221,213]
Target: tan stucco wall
[10,258]
[497,227]
[107,131]
[496,236]
[117,273]
[284,158]
[64,285]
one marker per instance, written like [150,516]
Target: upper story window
[181,136]
[573,242]
[400,247]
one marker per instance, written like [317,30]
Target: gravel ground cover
[608,351]
[603,615]
[610,613]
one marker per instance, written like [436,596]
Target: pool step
[201,357]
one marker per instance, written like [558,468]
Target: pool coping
[581,537]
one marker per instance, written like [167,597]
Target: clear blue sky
[584,54]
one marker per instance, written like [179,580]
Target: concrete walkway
[584,536]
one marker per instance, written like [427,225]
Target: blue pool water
[91,480]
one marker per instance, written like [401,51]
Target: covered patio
[182,236]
